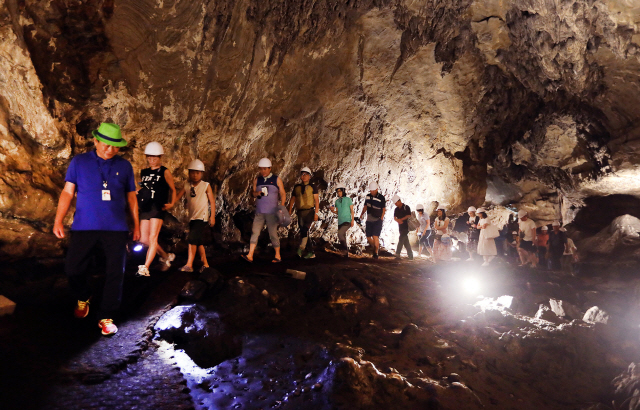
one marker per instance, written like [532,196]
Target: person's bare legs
[524,256]
[252,248]
[376,243]
[145,229]
[154,231]
[192,255]
[203,256]
[277,252]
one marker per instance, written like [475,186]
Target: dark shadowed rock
[201,334]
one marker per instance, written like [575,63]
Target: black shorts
[373,228]
[528,246]
[198,232]
[154,213]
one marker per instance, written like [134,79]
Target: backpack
[413,222]
[145,199]
[284,219]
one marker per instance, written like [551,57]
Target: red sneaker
[82,309]
[107,326]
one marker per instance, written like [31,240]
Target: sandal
[246,259]
[186,268]
[276,260]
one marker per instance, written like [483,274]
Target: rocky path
[354,333]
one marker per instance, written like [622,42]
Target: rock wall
[428,97]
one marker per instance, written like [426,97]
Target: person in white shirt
[486,246]
[527,232]
[423,231]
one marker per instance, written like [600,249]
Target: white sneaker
[164,265]
[170,258]
[485,264]
[470,260]
[143,271]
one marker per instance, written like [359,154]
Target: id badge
[106,195]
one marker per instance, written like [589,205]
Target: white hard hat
[264,163]
[305,169]
[555,223]
[545,228]
[471,209]
[481,210]
[196,165]
[419,207]
[373,186]
[153,148]
[395,199]
[341,185]
[514,233]
[522,213]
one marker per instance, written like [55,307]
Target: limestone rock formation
[432,98]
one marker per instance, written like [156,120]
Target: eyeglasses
[193,192]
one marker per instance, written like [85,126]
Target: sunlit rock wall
[426,97]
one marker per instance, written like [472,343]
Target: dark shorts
[154,213]
[528,246]
[197,232]
[373,228]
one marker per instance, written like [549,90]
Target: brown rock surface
[427,97]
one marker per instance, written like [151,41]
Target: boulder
[202,335]
[596,315]
[564,309]
[627,389]
[545,313]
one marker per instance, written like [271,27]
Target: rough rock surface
[428,97]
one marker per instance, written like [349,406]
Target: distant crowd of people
[105,187]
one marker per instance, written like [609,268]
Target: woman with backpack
[486,243]
[156,195]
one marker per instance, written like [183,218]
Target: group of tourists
[105,186]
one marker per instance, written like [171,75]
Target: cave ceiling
[453,101]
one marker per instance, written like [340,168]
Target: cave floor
[413,320]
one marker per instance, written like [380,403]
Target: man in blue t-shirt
[105,185]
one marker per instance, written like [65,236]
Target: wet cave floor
[355,333]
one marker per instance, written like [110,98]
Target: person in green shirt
[344,209]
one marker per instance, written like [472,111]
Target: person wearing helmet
[423,231]
[305,198]
[400,215]
[201,207]
[156,195]
[374,206]
[473,232]
[556,246]
[542,239]
[441,247]
[105,187]
[344,209]
[527,232]
[268,190]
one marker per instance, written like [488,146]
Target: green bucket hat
[109,134]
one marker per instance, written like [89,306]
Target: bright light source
[137,248]
[471,285]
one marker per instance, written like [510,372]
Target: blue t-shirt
[88,171]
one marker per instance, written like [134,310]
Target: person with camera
[268,190]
